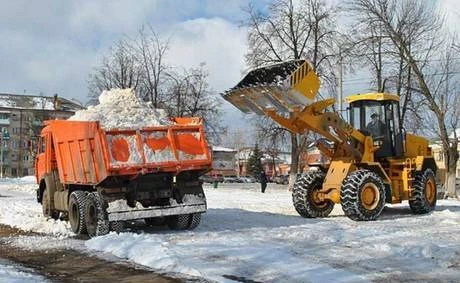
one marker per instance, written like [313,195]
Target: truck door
[40,159]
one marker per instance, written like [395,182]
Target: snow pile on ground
[246,235]
[26,184]
[249,236]
[13,273]
[44,243]
[122,109]
[19,208]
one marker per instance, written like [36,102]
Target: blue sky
[50,46]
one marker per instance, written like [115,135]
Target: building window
[25,172]
[14,172]
[14,144]
[25,157]
[16,131]
[4,116]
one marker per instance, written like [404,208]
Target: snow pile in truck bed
[122,109]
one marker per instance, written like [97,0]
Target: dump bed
[84,153]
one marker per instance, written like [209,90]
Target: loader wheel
[424,192]
[363,195]
[183,221]
[46,207]
[97,223]
[77,206]
[304,196]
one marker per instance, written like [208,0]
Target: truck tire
[96,219]
[117,226]
[363,195]
[77,206]
[46,206]
[424,192]
[155,221]
[184,221]
[303,196]
[195,220]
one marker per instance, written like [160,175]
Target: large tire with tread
[46,206]
[77,207]
[424,192]
[363,195]
[183,221]
[97,223]
[303,196]
[155,221]
[117,226]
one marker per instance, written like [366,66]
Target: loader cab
[377,115]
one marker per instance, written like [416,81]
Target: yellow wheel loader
[373,160]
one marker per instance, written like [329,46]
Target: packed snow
[247,235]
[122,109]
[19,208]
[12,273]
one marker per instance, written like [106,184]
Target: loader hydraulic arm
[285,92]
[314,118]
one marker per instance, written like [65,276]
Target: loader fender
[422,163]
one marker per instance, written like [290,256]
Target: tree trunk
[451,165]
[294,160]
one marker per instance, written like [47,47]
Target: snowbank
[122,109]
[19,208]
[26,184]
[13,273]
[247,235]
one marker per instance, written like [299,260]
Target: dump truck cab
[377,115]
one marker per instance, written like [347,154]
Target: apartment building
[21,120]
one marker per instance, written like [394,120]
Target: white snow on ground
[246,235]
[19,208]
[122,109]
[12,273]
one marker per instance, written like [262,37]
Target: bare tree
[139,64]
[151,50]
[416,29]
[293,30]
[190,95]
[119,69]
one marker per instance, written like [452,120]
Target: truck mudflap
[128,213]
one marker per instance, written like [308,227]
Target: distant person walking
[263,181]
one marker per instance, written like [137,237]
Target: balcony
[4,122]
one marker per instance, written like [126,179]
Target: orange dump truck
[101,178]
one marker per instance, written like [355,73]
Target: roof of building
[37,102]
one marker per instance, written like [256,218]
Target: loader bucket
[284,87]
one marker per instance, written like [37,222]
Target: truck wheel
[178,222]
[77,206]
[183,221]
[363,195]
[424,192]
[155,221]
[304,196]
[195,220]
[46,207]
[117,226]
[96,219]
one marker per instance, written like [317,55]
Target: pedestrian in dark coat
[263,181]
